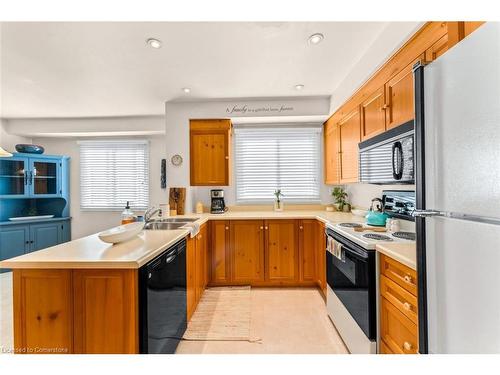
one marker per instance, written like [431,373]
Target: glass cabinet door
[44,177]
[13,176]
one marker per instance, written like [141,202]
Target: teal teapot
[375,216]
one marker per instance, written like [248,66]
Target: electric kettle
[375,216]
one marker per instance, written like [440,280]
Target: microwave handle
[397,162]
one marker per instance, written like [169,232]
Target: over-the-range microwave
[388,158]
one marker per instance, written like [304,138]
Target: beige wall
[88,222]
[9,141]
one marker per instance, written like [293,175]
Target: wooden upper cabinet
[106,311]
[373,115]
[209,152]
[247,249]
[399,95]
[331,143]
[307,248]
[349,139]
[437,49]
[43,311]
[220,265]
[282,250]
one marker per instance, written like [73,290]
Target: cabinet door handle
[227,228]
[267,228]
[227,157]
[261,227]
[301,227]
[407,306]
[385,106]
[26,177]
[407,278]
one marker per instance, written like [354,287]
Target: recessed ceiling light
[299,87]
[316,38]
[154,43]
[186,90]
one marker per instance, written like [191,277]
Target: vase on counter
[346,207]
[278,206]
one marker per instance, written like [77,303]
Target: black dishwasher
[162,296]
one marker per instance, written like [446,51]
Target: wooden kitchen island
[82,296]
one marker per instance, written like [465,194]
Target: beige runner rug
[223,314]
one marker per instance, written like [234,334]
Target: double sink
[169,223]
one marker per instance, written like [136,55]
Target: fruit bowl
[121,233]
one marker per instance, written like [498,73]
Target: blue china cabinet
[33,185]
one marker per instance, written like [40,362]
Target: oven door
[351,276]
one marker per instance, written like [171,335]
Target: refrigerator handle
[427,213]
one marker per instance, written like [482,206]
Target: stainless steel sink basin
[161,225]
[179,219]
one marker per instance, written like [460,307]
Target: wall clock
[176,160]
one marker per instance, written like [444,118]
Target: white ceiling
[106,69]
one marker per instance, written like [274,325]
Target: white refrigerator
[457,143]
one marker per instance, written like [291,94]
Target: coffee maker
[218,206]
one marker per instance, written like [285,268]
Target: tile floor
[288,321]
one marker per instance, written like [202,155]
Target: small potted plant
[339,197]
[278,204]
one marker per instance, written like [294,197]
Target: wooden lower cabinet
[76,311]
[307,247]
[247,251]
[43,311]
[398,308]
[106,311]
[282,251]
[219,252]
[320,252]
[196,269]
[267,253]
[398,332]
[190,277]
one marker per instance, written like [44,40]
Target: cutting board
[176,199]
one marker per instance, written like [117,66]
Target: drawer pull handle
[227,228]
[261,227]
[407,278]
[407,306]
[407,346]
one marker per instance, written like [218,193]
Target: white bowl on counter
[121,233]
[359,212]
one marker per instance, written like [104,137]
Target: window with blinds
[277,157]
[112,173]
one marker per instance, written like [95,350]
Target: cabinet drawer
[399,297]
[399,273]
[397,331]
[384,349]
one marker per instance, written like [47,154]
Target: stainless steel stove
[411,236]
[377,237]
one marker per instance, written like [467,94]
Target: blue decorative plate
[30,149]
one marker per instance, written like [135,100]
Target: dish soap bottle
[127,215]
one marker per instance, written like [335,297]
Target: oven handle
[349,250]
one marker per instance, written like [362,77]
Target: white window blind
[277,157]
[112,173]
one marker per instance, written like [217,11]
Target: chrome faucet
[150,212]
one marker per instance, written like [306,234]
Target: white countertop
[403,252]
[91,252]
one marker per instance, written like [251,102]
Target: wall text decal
[245,109]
